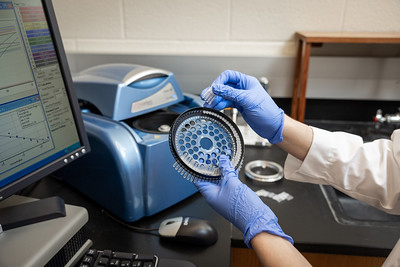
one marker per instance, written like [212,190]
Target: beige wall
[212,27]
[198,39]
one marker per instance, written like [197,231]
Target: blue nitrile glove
[238,90]
[239,204]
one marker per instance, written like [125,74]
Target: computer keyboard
[110,258]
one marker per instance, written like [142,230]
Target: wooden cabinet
[246,257]
[306,40]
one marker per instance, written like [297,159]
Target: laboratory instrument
[127,111]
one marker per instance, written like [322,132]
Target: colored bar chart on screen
[38,35]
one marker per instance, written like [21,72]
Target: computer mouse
[189,230]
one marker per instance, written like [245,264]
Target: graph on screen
[15,72]
[24,135]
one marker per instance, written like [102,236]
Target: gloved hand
[245,93]
[239,204]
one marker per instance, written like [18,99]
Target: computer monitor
[41,129]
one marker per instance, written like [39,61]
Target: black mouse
[189,230]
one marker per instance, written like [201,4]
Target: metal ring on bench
[264,164]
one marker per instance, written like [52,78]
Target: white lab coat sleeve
[369,171]
[393,260]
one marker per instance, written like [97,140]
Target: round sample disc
[199,137]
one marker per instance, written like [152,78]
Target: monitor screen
[41,127]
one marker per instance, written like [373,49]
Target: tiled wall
[197,39]
[213,27]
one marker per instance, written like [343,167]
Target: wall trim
[188,48]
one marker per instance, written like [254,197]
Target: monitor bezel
[51,167]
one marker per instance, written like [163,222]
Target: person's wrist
[264,221]
[277,137]
[263,236]
[273,127]
[240,219]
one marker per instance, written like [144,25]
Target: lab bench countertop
[308,219]
[107,233]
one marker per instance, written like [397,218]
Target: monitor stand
[36,244]
[31,212]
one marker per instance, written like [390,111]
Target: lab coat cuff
[312,169]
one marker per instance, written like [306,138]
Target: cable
[132,227]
